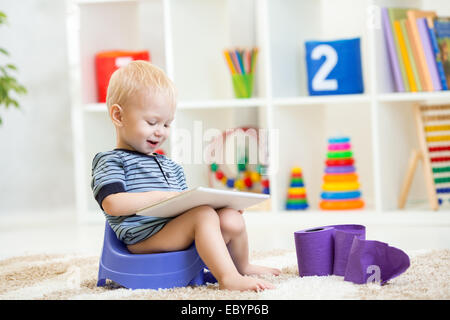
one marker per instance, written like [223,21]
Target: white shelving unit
[186,39]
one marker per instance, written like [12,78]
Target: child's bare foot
[252,269]
[244,283]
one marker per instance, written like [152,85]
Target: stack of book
[418,44]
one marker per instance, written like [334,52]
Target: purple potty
[149,271]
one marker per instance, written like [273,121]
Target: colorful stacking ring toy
[341,186]
[296,199]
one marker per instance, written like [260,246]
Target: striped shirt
[122,170]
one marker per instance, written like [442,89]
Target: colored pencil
[249,61]
[241,64]
[254,55]
[229,62]
[235,60]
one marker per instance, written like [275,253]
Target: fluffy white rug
[74,277]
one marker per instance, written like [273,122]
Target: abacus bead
[219,175]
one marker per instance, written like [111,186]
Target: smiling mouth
[152,143]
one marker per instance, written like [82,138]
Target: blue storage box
[334,67]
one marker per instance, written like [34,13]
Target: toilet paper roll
[324,250]
[315,250]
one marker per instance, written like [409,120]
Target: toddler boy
[141,102]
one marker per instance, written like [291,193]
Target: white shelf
[186,39]
[225,103]
[198,104]
[441,96]
[333,99]
[252,102]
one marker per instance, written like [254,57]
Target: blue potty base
[149,271]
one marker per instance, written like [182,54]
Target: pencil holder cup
[243,85]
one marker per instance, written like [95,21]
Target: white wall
[35,142]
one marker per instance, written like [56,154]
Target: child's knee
[205,214]
[231,221]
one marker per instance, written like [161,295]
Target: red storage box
[106,62]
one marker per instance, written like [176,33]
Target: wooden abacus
[433,132]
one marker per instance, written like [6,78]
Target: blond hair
[136,76]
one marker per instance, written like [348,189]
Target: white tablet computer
[199,196]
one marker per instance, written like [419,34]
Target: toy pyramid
[340,190]
[296,199]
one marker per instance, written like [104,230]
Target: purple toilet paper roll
[315,249]
[324,250]
[374,261]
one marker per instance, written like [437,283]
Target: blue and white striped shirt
[122,170]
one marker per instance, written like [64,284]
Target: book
[396,14]
[437,53]
[412,63]
[404,55]
[200,196]
[415,56]
[390,45]
[422,26]
[442,27]
[416,43]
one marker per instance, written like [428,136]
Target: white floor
[60,233]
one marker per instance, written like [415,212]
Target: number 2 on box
[320,81]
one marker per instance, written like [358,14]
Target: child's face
[146,122]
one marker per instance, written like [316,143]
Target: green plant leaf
[11,66]
[6,53]
[2,17]
[8,84]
